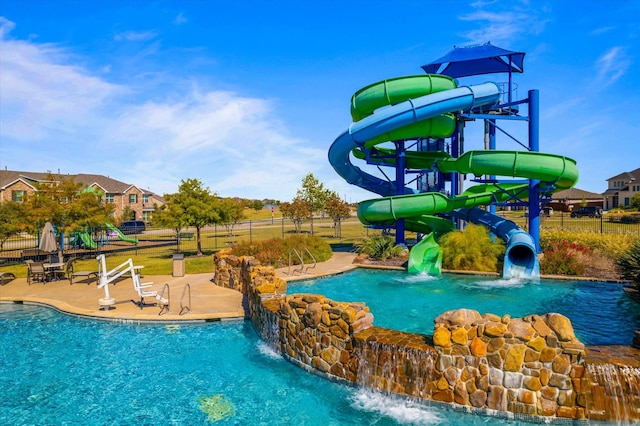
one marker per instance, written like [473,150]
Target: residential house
[621,188]
[574,198]
[128,199]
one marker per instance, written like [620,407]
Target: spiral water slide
[424,106]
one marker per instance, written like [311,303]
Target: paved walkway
[208,301]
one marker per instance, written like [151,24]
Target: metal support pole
[534,146]
[401,165]
[492,146]
[455,153]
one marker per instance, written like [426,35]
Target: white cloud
[180,19]
[135,36]
[78,122]
[612,65]
[502,25]
[43,93]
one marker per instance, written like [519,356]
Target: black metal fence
[605,224]
[157,241]
[162,241]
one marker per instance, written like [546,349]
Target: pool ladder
[185,308]
[163,301]
[301,259]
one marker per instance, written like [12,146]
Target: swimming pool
[600,312]
[58,369]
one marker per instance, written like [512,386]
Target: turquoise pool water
[61,370]
[600,312]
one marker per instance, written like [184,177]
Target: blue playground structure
[416,125]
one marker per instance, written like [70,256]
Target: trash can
[178,265]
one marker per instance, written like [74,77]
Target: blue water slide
[395,117]
[520,258]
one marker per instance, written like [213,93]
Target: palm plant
[380,247]
[629,264]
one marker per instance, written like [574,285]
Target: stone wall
[531,366]
[521,365]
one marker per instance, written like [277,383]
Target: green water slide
[123,237]
[549,168]
[423,106]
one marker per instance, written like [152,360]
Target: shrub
[629,263]
[380,247]
[275,252]
[471,250]
[612,245]
[564,258]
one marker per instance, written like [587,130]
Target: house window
[627,202]
[133,198]
[18,195]
[145,198]
[110,198]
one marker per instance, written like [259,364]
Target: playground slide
[123,237]
[553,170]
[87,241]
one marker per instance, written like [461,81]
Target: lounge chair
[87,275]
[37,272]
[6,277]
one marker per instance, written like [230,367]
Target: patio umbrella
[48,242]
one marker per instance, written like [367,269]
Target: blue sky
[247,96]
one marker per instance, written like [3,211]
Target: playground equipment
[416,114]
[88,242]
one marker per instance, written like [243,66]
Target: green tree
[337,210]
[127,214]
[231,211]
[67,206]
[12,220]
[169,215]
[193,206]
[635,201]
[313,192]
[298,210]
[255,205]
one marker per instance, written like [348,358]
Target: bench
[185,235]
[6,277]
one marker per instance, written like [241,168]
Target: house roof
[576,194]
[105,183]
[628,176]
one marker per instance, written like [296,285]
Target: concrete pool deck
[209,302]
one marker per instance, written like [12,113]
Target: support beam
[534,146]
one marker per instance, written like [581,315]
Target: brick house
[621,188]
[126,198]
[574,198]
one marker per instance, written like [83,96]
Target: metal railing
[164,301]
[185,308]
[315,263]
[297,253]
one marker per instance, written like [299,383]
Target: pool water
[63,370]
[600,312]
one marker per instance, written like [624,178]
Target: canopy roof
[476,60]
